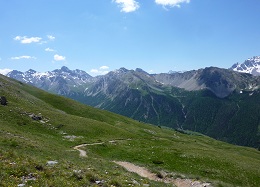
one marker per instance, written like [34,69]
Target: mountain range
[221,103]
[50,140]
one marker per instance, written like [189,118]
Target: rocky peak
[140,70]
[251,65]
[15,72]
[30,71]
[118,71]
[123,70]
[78,71]
[65,69]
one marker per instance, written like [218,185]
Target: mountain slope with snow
[251,65]
[61,81]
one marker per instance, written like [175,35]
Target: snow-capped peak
[251,65]
[52,78]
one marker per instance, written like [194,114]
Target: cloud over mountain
[100,71]
[59,57]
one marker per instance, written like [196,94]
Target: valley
[39,131]
[210,101]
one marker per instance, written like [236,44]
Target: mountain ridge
[189,80]
[176,100]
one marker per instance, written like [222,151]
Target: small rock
[21,185]
[35,117]
[77,171]
[30,177]
[70,137]
[51,163]
[99,182]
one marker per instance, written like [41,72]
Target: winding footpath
[83,153]
[143,172]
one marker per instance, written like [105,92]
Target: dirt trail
[83,153]
[143,172]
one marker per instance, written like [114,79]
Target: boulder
[35,117]
[3,100]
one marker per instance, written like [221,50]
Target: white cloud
[171,3]
[104,67]
[50,37]
[26,40]
[94,71]
[127,5]
[59,58]
[100,71]
[22,57]
[49,50]
[4,71]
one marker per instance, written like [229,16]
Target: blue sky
[103,35]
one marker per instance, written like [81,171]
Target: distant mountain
[221,82]
[61,81]
[251,65]
[221,103]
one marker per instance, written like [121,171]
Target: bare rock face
[3,100]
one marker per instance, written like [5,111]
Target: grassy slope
[26,145]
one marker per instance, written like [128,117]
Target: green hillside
[37,127]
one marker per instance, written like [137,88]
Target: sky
[98,36]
